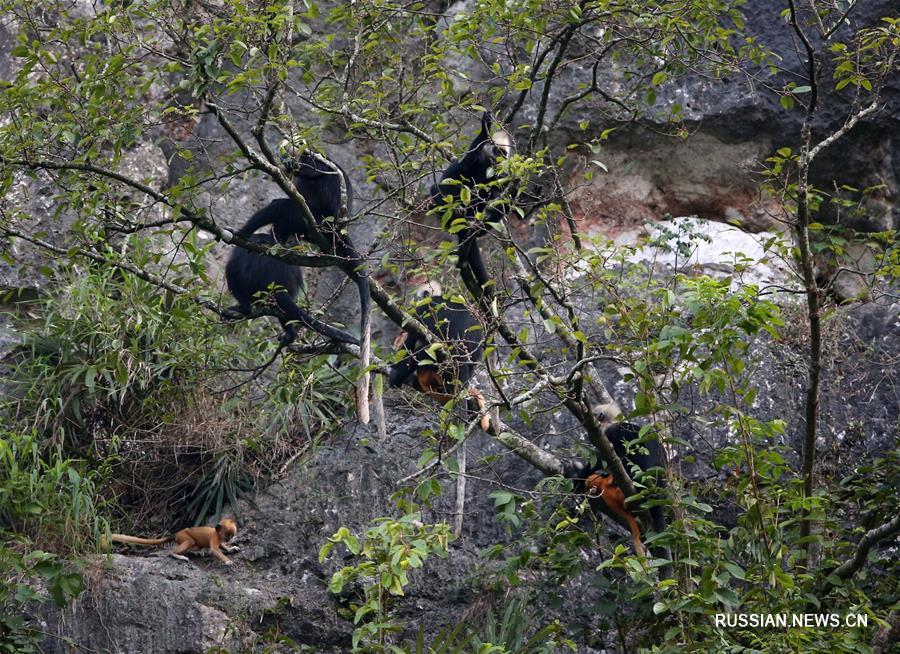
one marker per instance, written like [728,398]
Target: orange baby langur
[604,486]
[193,539]
[441,374]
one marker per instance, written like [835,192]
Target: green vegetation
[20,573]
[389,551]
[127,377]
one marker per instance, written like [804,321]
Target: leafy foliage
[54,501]
[126,368]
[20,575]
[388,551]
[113,358]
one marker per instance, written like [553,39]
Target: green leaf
[325,550]
[727,596]
[502,498]
[337,583]
[736,571]
[72,584]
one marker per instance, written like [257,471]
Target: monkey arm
[471,265]
[216,552]
[296,313]
[474,156]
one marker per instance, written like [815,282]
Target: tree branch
[869,540]
[846,127]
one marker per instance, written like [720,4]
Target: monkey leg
[236,312]
[179,550]
[289,334]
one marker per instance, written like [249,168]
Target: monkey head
[598,483]
[606,414]
[500,146]
[427,288]
[494,147]
[227,529]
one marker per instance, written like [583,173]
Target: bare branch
[846,127]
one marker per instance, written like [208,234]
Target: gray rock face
[693,246]
[145,601]
[733,127]
[147,604]
[34,197]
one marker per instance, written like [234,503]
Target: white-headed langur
[642,459]
[470,218]
[250,274]
[441,371]
[192,539]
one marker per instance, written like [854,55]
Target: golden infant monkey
[603,485]
[192,539]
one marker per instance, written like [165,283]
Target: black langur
[469,219]
[641,458]
[252,275]
[323,185]
[439,372]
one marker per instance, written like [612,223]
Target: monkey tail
[471,266]
[134,540]
[365,348]
[293,312]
